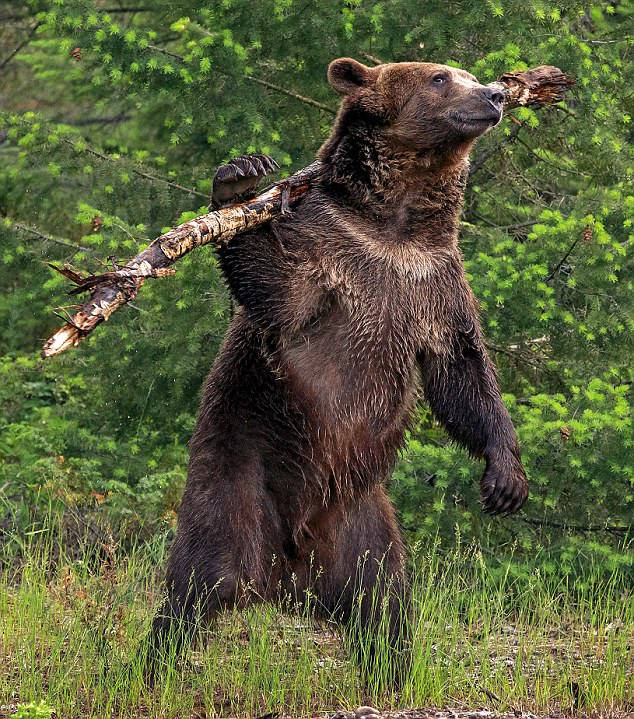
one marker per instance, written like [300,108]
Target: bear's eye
[439,79]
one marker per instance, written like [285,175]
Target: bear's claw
[238,179]
[504,487]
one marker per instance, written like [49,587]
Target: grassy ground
[514,642]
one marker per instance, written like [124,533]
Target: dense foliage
[114,118]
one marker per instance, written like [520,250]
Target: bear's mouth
[475,120]
[473,125]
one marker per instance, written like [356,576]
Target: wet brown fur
[349,309]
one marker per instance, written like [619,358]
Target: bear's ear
[346,75]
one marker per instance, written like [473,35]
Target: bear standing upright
[348,309]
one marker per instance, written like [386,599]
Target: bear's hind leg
[363,586]
[221,559]
[195,594]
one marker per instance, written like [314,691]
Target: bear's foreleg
[273,282]
[463,393]
[268,276]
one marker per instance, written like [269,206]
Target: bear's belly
[357,391]
[349,373]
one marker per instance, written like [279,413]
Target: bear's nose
[495,96]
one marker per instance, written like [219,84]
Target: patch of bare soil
[371,713]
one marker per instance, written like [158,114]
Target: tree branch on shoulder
[111,290]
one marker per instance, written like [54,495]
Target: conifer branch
[292,93]
[258,81]
[83,147]
[111,290]
[49,238]
[142,8]
[114,120]
[372,58]
[620,530]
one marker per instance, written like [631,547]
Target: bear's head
[418,105]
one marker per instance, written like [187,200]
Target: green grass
[483,636]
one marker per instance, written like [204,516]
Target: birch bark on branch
[111,290]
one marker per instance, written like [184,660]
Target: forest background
[114,116]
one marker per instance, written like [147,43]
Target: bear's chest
[393,300]
[355,363]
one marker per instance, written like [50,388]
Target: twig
[608,42]
[552,164]
[516,226]
[515,355]
[372,58]
[257,80]
[101,156]
[481,159]
[163,51]
[16,50]
[127,9]
[48,238]
[175,185]
[557,267]
[490,695]
[291,93]
[583,528]
[115,119]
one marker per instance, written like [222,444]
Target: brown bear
[349,308]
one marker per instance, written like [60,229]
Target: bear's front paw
[504,487]
[238,179]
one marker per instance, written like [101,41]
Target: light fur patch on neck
[404,259]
